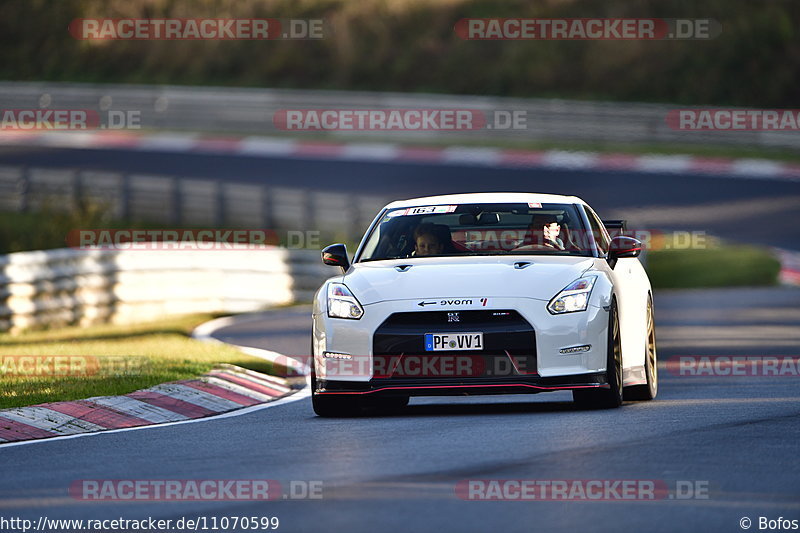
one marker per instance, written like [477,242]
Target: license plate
[438,342]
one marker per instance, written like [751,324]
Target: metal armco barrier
[70,286]
[251,111]
[172,200]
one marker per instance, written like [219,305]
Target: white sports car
[484,293]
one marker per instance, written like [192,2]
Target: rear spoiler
[616,227]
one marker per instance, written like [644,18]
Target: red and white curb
[790,266]
[224,389]
[258,146]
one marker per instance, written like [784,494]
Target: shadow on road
[471,409]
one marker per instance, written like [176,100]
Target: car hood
[457,277]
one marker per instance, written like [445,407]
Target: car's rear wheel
[612,396]
[650,389]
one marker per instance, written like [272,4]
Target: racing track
[398,473]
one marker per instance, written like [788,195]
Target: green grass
[143,355]
[47,229]
[40,230]
[721,266]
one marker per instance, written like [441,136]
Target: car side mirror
[622,246]
[336,255]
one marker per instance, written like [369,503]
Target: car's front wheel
[348,406]
[391,404]
[612,396]
[333,406]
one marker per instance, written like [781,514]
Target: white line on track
[204,333]
[300,395]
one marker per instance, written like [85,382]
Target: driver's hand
[551,232]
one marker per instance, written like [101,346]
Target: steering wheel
[537,246]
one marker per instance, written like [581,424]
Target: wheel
[648,391]
[333,406]
[611,397]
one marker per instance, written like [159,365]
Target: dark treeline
[410,45]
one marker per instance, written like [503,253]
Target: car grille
[509,345]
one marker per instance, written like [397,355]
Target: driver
[544,231]
[426,242]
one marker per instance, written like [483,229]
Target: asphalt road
[737,436]
[744,210]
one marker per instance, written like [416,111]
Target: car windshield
[477,229]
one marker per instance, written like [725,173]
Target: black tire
[650,390]
[611,397]
[349,406]
[333,406]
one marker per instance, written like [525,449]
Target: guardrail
[67,286]
[247,110]
[182,201]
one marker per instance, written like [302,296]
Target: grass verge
[722,265]
[130,357]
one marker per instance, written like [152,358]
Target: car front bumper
[375,343]
[459,387]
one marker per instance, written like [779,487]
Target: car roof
[487,198]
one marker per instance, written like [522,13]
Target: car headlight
[574,297]
[342,303]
